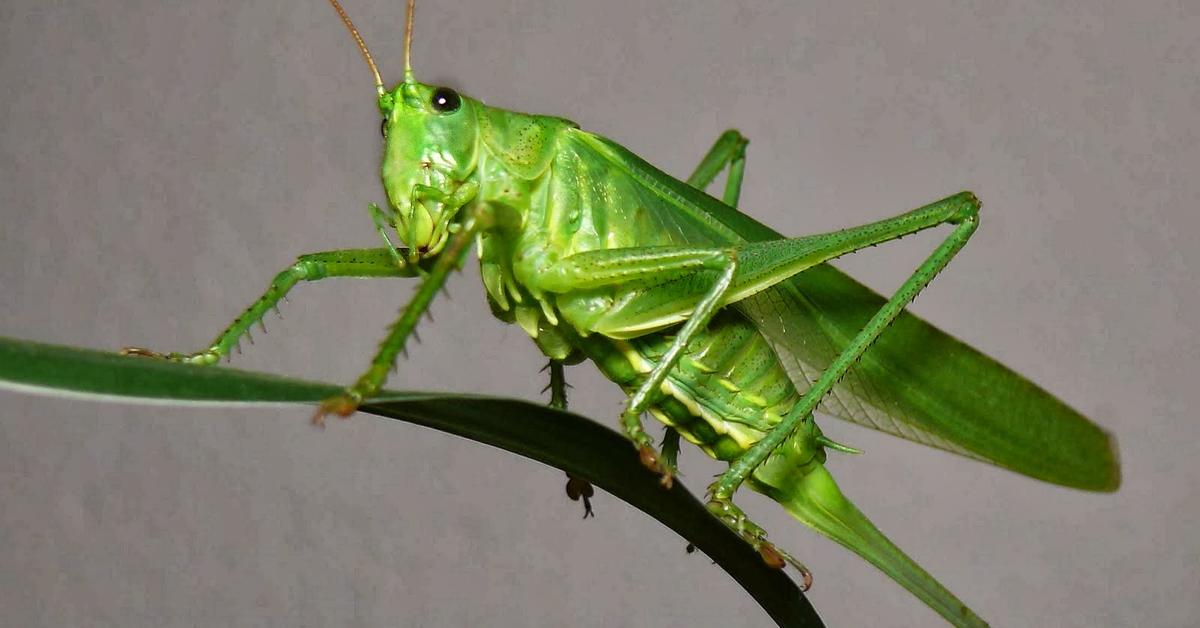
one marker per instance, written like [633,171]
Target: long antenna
[362,45]
[408,75]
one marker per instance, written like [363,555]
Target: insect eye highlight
[445,100]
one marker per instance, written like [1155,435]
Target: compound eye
[445,100]
[383,128]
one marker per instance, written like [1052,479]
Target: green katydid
[721,328]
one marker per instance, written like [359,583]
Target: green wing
[916,381]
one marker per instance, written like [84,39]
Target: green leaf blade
[570,442]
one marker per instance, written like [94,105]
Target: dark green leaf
[572,443]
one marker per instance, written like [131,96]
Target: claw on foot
[342,405]
[140,352]
[808,580]
[778,559]
[578,489]
[651,461]
[202,358]
[752,533]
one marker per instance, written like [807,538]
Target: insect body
[729,333]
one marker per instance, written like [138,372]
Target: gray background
[159,162]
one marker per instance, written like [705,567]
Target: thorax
[728,388]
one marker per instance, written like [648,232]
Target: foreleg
[312,267]
[450,258]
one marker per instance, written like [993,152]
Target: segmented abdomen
[726,391]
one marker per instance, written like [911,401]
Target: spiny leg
[557,385]
[312,267]
[753,534]
[728,151]
[479,218]
[960,210]
[577,488]
[664,284]
[645,268]
[384,220]
[668,451]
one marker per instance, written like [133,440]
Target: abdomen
[726,392]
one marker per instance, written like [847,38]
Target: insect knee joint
[968,210]
[308,269]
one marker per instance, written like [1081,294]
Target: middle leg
[577,488]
